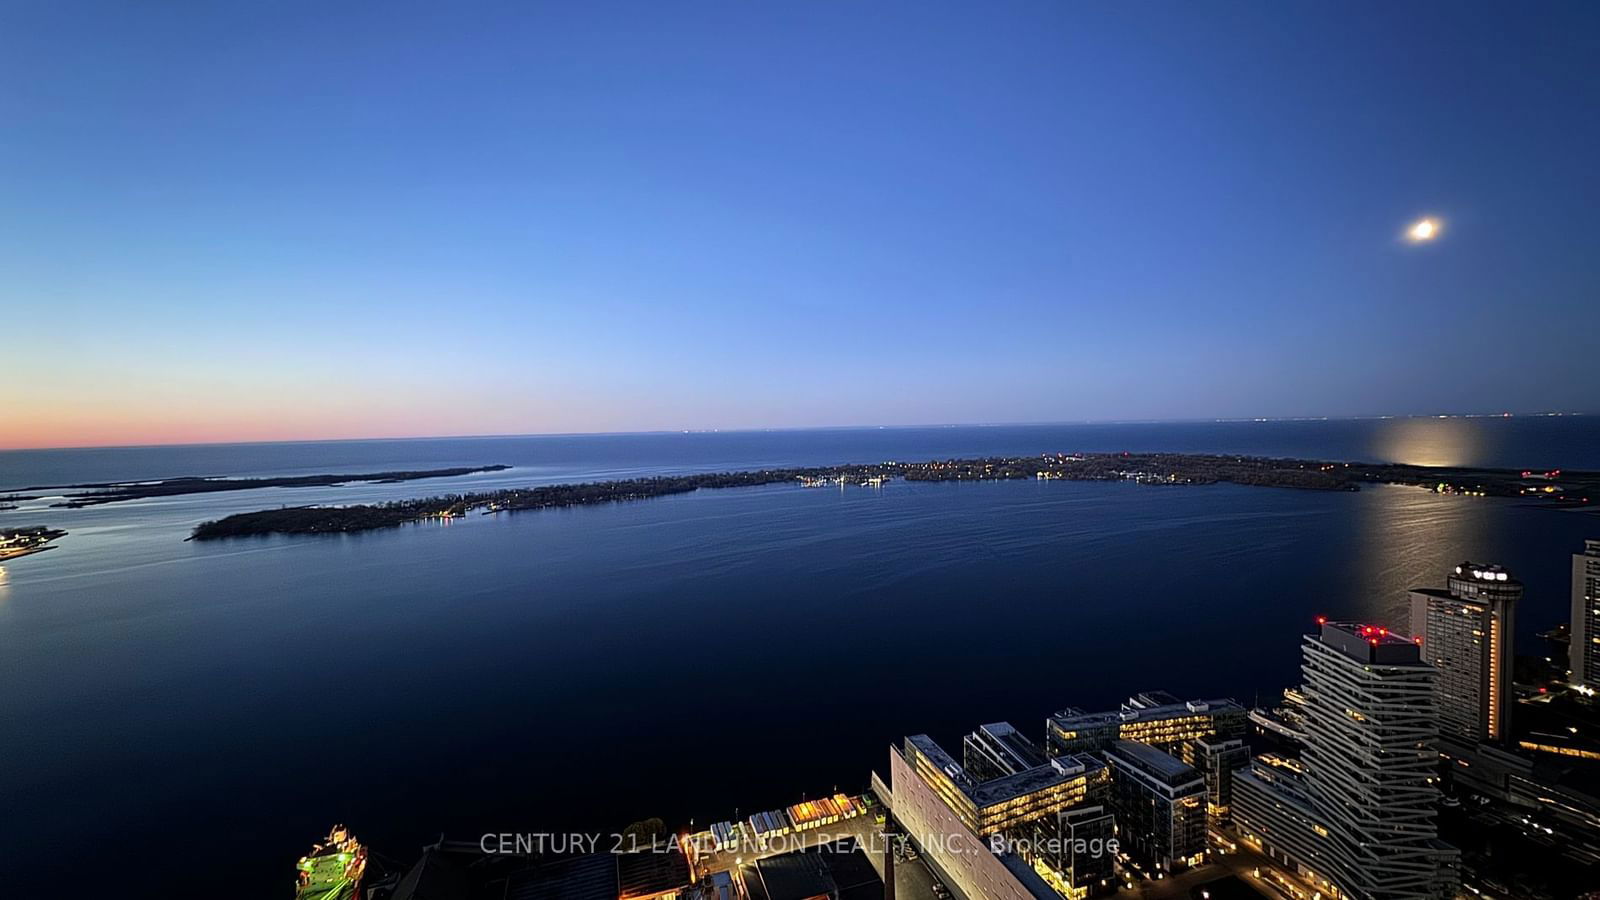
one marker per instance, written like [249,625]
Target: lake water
[196,714]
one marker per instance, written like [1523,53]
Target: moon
[1423,230]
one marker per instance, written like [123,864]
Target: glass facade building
[1216,760]
[1159,803]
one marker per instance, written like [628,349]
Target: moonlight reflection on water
[1409,538]
[1430,442]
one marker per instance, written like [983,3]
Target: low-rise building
[1005,836]
[1216,760]
[997,750]
[1164,726]
[1160,806]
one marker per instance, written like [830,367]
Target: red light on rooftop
[1374,642]
[1544,690]
[1417,641]
[1383,631]
[1322,620]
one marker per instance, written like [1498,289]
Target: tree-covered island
[1566,489]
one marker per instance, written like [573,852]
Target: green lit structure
[333,869]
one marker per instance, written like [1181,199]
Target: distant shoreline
[96,494]
[1568,490]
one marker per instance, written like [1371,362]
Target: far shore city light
[1423,231]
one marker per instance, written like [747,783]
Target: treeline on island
[113,492]
[1149,468]
[365,517]
[1144,468]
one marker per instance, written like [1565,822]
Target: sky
[300,220]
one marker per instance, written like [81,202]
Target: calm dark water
[681,657]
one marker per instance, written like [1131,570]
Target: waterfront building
[1165,726]
[1074,842]
[1159,803]
[1151,700]
[1466,631]
[1002,837]
[997,750]
[1585,648]
[1357,812]
[1216,760]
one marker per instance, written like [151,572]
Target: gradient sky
[241,221]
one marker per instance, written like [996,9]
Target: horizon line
[1229,420]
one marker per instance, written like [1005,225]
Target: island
[1572,489]
[117,491]
[15,542]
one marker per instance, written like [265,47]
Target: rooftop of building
[851,870]
[795,876]
[1485,572]
[838,869]
[941,760]
[1475,584]
[1026,753]
[1073,719]
[1151,759]
[999,790]
[1150,699]
[591,876]
[1370,643]
[647,873]
[1376,635]
[1219,743]
[1056,771]
[459,870]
